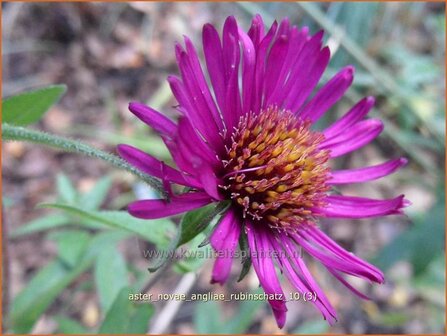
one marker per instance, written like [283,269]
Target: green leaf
[124,317]
[117,318]
[65,189]
[154,231]
[207,318]
[139,319]
[40,224]
[110,275]
[28,107]
[393,319]
[431,284]
[194,257]
[191,230]
[245,251]
[71,244]
[93,199]
[313,327]
[419,244]
[194,222]
[34,299]
[50,281]
[67,325]
[188,231]
[242,319]
[165,254]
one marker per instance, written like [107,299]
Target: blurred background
[109,54]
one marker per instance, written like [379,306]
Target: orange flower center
[274,170]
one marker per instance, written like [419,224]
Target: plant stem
[18,133]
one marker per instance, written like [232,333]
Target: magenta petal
[212,49]
[275,61]
[314,234]
[297,40]
[200,109]
[328,95]
[256,31]
[367,173]
[231,60]
[261,52]
[298,280]
[334,261]
[156,120]
[356,137]
[202,84]
[157,208]
[354,115]
[297,90]
[326,307]
[262,253]
[248,70]
[209,182]
[348,285]
[191,143]
[358,207]
[224,241]
[152,166]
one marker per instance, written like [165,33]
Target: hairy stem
[17,133]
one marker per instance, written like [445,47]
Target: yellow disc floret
[275,171]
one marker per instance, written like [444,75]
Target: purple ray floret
[245,133]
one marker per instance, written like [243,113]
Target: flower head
[249,138]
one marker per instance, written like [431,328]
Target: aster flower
[249,138]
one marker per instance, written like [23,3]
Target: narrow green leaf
[194,257]
[28,107]
[50,281]
[34,299]
[155,231]
[166,253]
[40,224]
[191,231]
[125,317]
[110,275]
[93,198]
[393,319]
[66,189]
[431,284]
[194,222]
[312,327]
[207,318]
[245,251]
[244,316]
[71,244]
[140,318]
[117,318]
[69,326]
[420,243]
